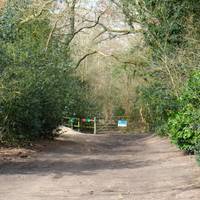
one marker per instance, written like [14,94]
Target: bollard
[79,125]
[95,125]
[72,123]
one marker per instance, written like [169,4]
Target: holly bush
[158,103]
[37,84]
[184,126]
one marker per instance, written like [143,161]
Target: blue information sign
[122,123]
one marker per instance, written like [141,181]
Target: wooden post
[72,123]
[79,125]
[95,125]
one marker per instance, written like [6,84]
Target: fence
[81,124]
[115,123]
[97,125]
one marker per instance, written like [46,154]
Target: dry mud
[101,167]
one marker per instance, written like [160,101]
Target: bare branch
[98,35]
[83,58]
[110,37]
[116,58]
[72,17]
[91,26]
[50,34]
[86,27]
[123,31]
[126,12]
[124,62]
[37,14]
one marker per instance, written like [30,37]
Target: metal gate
[115,123]
[98,125]
[82,124]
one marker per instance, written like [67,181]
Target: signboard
[122,123]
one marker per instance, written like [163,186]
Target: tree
[37,83]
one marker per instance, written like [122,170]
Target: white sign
[122,123]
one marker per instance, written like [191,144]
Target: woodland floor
[102,167]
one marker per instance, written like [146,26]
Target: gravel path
[102,167]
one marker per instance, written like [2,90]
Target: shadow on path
[82,155]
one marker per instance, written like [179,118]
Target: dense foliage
[37,83]
[158,103]
[171,32]
[184,129]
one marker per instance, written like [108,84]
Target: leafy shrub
[32,103]
[184,130]
[184,126]
[37,84]
[158,104]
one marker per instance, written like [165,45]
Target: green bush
[184,126]
[184,130]
[32,102]
[158,103]
[37,83]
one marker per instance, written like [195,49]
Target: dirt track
[105,167]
